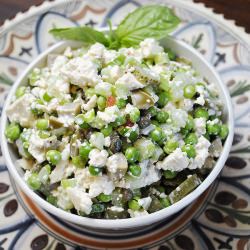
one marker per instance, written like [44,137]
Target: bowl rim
[129,222]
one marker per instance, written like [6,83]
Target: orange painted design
[83,12]
[114,244]
[11,45]
[242,243]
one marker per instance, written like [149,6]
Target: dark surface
[238,10]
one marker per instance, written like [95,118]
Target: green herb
[84,34]
[151,21]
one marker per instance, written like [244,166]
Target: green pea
[107,130]
[94,170]
[121,103]
[52,200]
[34,181]
[47,97]
[162,116]
[134,116]
[101,102]
[157,134]
[224,131]
[190,123]
[132,154]
[163,99]
[189,91]
[135,170]
[104,197]
[53,156]
[13,131]
[168,174]
[190,150]
[170,146]
[201,113]
[84,150]
[213,129]
[153,111]
[78,161]
[20,91]
[42,124]
[134,205]
[165,202]
[191,139]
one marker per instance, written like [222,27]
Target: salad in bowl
[121,125]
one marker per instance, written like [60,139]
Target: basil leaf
[84,34]
[151,21]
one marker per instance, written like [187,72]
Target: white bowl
[201,65]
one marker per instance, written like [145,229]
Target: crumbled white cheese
[90,104]
[98,158]
[97,140]
[116,162]
[200,100]
[201,153]
[81,72]
[81,200]
[19,111]
[176,161]
[200,126]
[107,141]
[150,47]
[109,115]
[129,81]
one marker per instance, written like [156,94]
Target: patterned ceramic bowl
[201,65]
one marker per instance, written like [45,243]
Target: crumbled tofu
[200,126]
[176,161]
[98,158]
[63,199]
[200,100]
[107,141]
[112,73]
[19,111]
[81,200]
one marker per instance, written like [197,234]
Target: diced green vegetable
[170,146]
[95,170]
[104,197]
[224,132]
[84,150]
[135,170]
[20,91]
[190,150]
[34,181]
[132,154]
[42,124]
[185,188]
